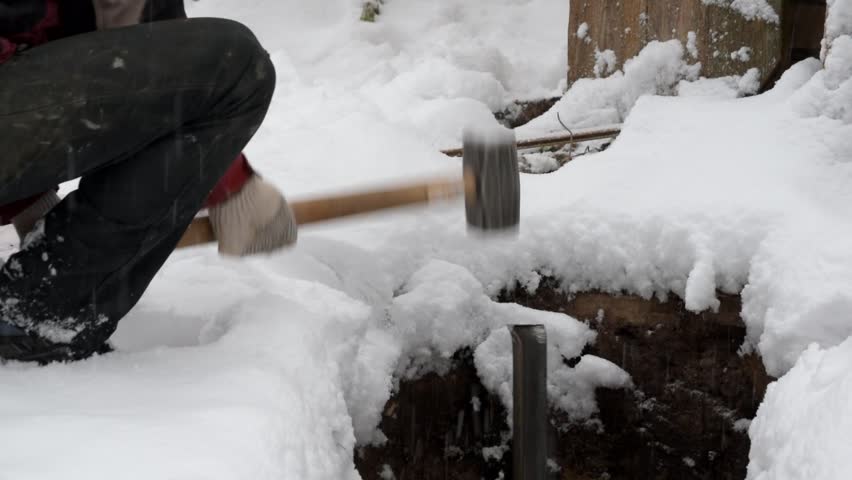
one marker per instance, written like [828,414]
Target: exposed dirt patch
[437,428]
[686,419]
[694,393]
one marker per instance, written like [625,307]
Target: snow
[539,163]
[570,389]
[743,54]
[742,425]
[583,31]
[278,366]
[224,411]
[750,9]
[721,87]
[691,44]
[749,84]
[552,466]
[802,428]
[387,473]
[838,20]
[596,102]
[605,62]
[830,94]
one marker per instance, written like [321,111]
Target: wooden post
[529,404]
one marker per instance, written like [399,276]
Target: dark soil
[521,112]
[691,386]
[437,431]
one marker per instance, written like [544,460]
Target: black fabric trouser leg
[150,117]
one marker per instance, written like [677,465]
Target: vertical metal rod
[529,437]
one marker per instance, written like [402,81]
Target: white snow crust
[605,62]
[743,54]
[691,44]
[803,427]
[278,366]
[583,31]
[838,20]
[593,102]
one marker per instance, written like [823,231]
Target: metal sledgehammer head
[492,179]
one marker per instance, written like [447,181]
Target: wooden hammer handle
[338,206]
[328,208]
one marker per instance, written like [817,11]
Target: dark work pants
[150,117]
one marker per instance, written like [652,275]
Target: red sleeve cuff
[11,210]
[7,49]
[232,182]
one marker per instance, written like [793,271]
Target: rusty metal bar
[557,140]
[529,429]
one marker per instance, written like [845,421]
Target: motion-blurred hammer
[490,185]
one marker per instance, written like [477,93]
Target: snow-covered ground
[274,367]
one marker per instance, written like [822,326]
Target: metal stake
[529,440]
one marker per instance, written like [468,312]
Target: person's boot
[257,219]
[16,344]
[26,220]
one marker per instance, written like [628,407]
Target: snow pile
[605,62]
[538,163]
[750,9]
[691,44]
[276,367]
[802,429]
[722,87]
[249,404]
[816,306]
[571,390]
[601,101]
[743,54]
[830,93]
[838,20]
[449,63]
[659,69]
[583,32]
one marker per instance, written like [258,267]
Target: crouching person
[151,119]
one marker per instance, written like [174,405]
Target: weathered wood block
[626,26]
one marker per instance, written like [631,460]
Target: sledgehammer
[490,184]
